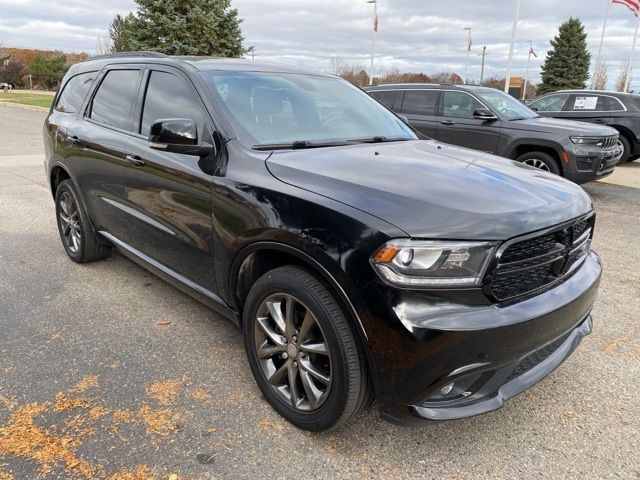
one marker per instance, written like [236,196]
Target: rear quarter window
[74,91]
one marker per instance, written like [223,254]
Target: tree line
[45,71]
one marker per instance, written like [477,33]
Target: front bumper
[483,354]
[589,163]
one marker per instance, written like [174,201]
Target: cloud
[414,35]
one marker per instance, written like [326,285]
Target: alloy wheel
[70,222]
[292,352]
[537,163]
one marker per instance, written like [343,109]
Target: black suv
[618,110]
[357,259]
[489,120]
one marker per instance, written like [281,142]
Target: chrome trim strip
[163,268]
[139,215]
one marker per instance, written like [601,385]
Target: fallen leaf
[164,322]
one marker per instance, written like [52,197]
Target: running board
[176,279]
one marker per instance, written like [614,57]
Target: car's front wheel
[303,352]
[540,160]
[77,235]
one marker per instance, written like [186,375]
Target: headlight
[588,140]
[429,264]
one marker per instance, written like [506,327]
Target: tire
[328,406]
[626,145]
[78,237]
[540,160]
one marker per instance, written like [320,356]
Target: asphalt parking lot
[108,372]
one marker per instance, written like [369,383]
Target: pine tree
[177,27]
[567,63]
[119,33]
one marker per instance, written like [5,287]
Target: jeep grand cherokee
[358,260]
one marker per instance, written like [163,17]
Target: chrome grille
[609,142]
[537,262]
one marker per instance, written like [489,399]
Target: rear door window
[168,96]
[115,100]
[550,103]
[459,105]
[421,102]
[73,93]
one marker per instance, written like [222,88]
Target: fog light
[446,390]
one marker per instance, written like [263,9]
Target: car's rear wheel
[302,351]
[540,160]
[77,235]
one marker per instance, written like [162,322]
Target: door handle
[135,160]
[448,123]
[75,141]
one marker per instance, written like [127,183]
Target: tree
[567,63]
[49,70]
[622,78]
[120,33]
[176,27]
[600,77]
[494,82]
[447,77]
[12,72]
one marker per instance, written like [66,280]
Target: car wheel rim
[537,163]
[292,351]
[70,222]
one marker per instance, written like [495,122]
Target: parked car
[489,120]
[357,259]
[618,110]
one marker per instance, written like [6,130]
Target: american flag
[469,44]
[633,5]
[531,52]
[376,23]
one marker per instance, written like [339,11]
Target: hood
[559,127]
[431,190]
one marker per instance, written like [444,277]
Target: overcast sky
[414,35]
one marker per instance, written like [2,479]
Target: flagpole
[513,39]
[633,51]
[466,65]
[373,38]
[604,27]
[526,77]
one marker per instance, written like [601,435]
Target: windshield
[506,105]
[297,111]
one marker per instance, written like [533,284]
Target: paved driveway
[105,370]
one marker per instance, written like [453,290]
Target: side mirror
[535,109]
[177,135]
[484,114]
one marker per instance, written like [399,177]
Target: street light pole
[373,37]
[633,51]
[513,39]
[526,77]
[466,65]
[483,55]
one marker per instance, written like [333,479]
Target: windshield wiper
[380,139]
[302,144]
[297,145]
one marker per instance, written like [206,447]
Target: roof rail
[128,54]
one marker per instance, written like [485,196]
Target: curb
[26,107]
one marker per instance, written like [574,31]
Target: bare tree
[104,45]
[622,78]
[601,77]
